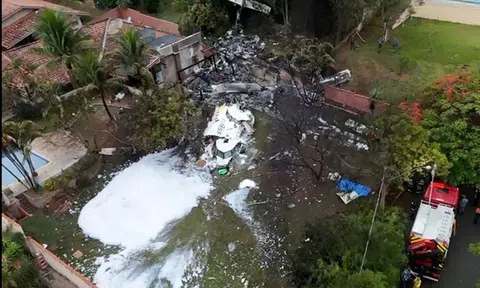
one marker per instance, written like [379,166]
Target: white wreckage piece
[253,5]
[229,133]
[348,197]
[352,139]
[340,78]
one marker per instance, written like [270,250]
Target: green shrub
[49,185]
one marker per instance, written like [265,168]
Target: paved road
[462,268]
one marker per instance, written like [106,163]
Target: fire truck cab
[432,230]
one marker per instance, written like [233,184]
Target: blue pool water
[8,178]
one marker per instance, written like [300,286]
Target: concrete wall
[7,222]
[169,69]
[15,17]
[179,55]
[58,265]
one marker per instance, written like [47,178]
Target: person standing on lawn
[353,43]
[395,45]
[379,43]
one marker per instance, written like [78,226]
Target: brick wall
[7,223]
[58,265]
[351,101]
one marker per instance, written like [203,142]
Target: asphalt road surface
[462,268]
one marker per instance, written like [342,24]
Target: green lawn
[63,235]
[428,49]
[78,5]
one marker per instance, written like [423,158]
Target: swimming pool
[7,177]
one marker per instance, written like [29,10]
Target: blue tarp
[349,186]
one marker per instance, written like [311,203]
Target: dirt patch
[99,132]
[60,203]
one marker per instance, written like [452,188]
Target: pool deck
[60,149]
[465,13]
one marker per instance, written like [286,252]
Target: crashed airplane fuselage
[227,134]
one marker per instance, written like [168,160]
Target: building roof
[103,33]
[140,19]
[18,31]
[442,194]
[10,7]
[28,55]
[5,62]
[434,222]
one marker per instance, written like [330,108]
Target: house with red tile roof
[173,55]
[140,19]
[18,20]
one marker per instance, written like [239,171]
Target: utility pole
[434,169]
[373,219]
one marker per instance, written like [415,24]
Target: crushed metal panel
[254,5]
[236,87]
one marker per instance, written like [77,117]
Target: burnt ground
[283,183]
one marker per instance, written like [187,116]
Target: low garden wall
[52,260]
[58,265]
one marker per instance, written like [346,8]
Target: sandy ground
[449,11]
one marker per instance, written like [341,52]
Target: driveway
[462,268]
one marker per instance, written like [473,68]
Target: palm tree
[313,54]
[93,77]
[60,41]
[131,57]
[19,136]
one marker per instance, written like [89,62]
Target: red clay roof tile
[28,55]
[140,19]
[18,31]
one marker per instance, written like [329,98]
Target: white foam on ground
[247,183]
[267,243]
[237,200]
[134,208]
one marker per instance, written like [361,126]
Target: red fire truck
[432,230]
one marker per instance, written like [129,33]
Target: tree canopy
[208,16]
[451,115]
[160,118]
[332,253]
[407,147]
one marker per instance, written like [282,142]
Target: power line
[373,220]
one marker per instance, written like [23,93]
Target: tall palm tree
[94,78]
[19,136]
[131,57]
[60,40]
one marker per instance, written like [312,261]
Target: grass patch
[77,5]
[168,12]
[428,50]
[63,235]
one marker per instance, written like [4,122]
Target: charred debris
[237,74]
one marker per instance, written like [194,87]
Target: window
[443,190]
